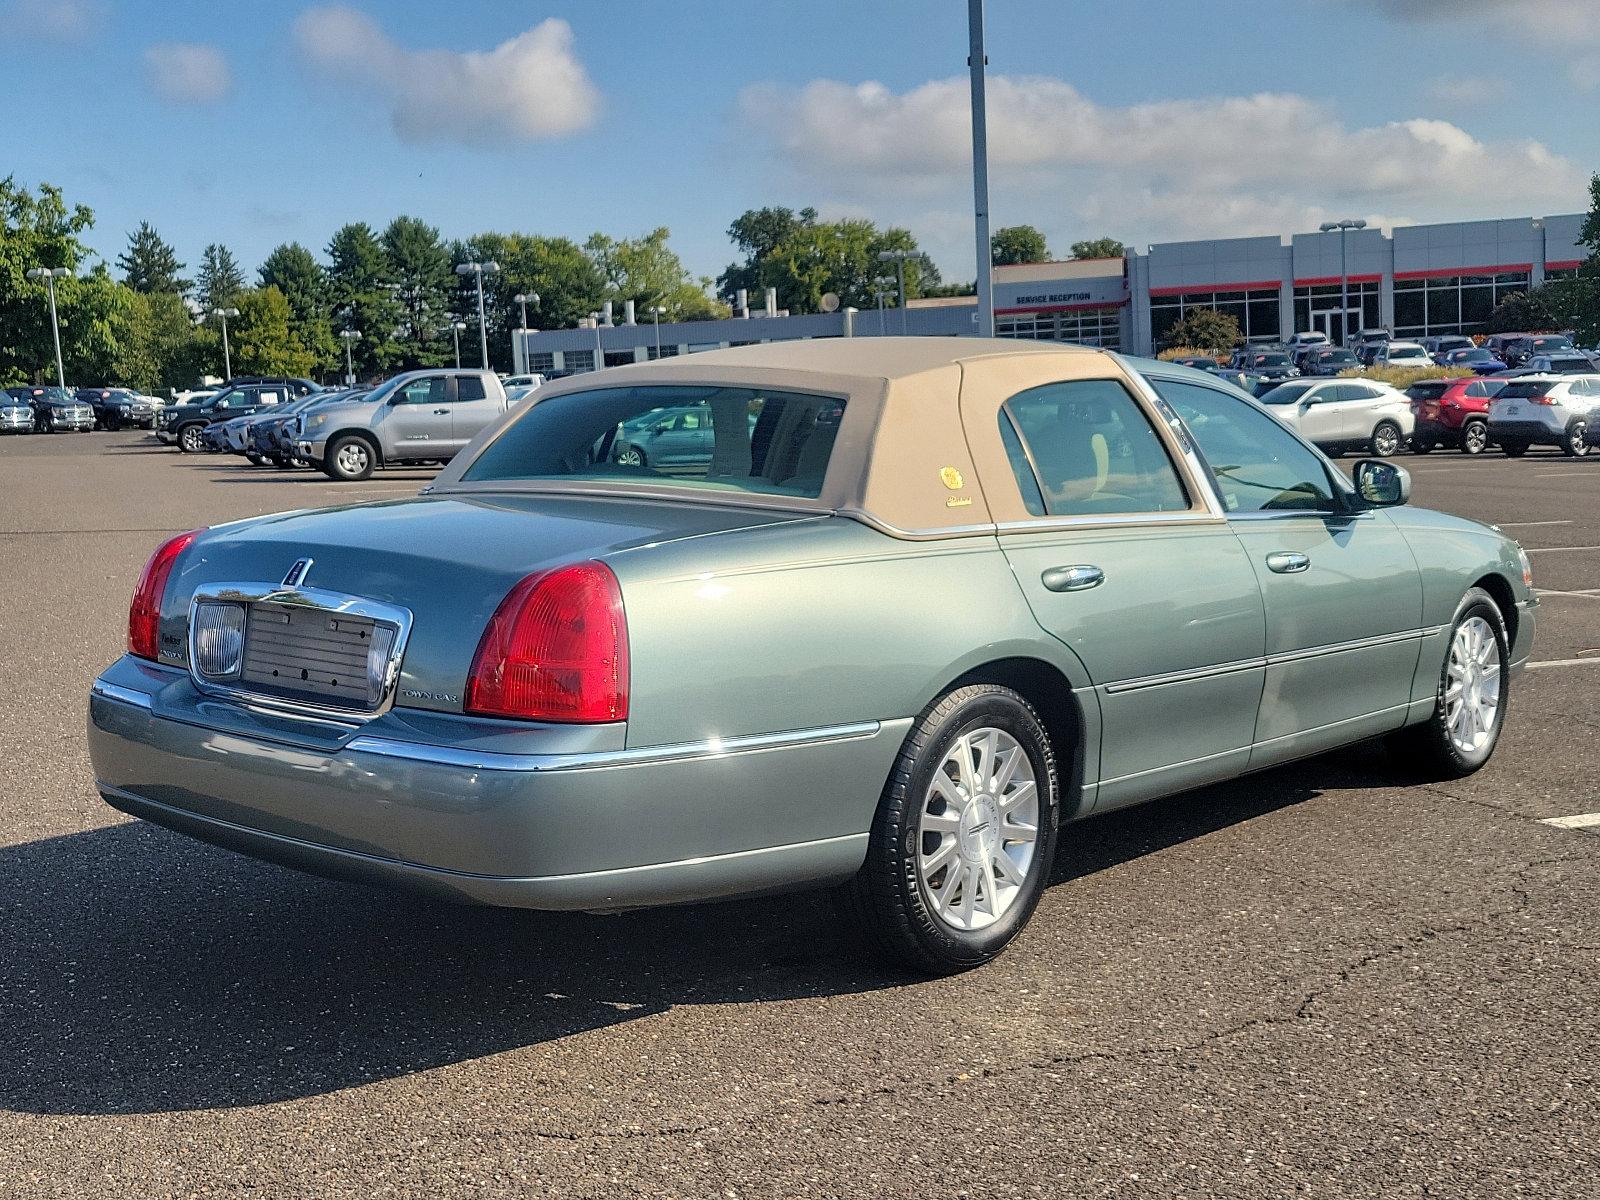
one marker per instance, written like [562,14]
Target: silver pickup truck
[417,417]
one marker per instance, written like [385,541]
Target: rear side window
[1091,451]
[696,437]
[1258,464]
[1521,390]
[470,387]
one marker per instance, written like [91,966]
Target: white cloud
[530,87]
[188,73]
[52,20]
[1469,89]
[1564,31]
[1267,163]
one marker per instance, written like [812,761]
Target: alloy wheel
[1474,438]
[193,439]
[1577,439]
[630,457]
[1472,685]
[353,458]
[978,828]
[1385,440]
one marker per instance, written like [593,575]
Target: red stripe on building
[1566,264]
[1253,286]
[1044,308]
[1445,272]
[1324,280]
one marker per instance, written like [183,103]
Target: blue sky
[1148,120]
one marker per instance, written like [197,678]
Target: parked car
[270,434]
[1497,343]
[194,396]
[58,410]
[185,424]
[1344,414]
[1404,355]
[1480,360]
[1329,361]
[527,723]
[528,381]
[1544,410]
[1574,363]
[1439,345]
[417,417]
[1272,364]
[1519,350]
[1452,412]
[16,411]
[1306,339]
[1364,338]
[115,408]
[1199,362]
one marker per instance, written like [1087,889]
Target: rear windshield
[1520,388]
[697,437]
[1429,389]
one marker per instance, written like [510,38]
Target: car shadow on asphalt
[144,972]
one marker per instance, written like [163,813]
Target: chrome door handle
[439,412]
[1288,562]
[1073,579]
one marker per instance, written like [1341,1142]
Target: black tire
[1514,449]
[1429,747]
[281,461]
[1575,441]
[888,897]
[1386,439]
[1421,447]
[350,459]
[254,459]
[192,439]
[631,456]
[1474,437]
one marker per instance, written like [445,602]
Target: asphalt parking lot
[1327,980]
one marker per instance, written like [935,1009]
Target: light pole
[222,314]
[479,270]
[523,299]
[880,294]
[898,257]
[1344,227]
[656,310]
[599,350]
[349,337]
[977,61]
[50,275]
[457,328]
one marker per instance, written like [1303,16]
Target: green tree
[1098,248]
[1204,329]
[556,269]
[295,272]
[1521,311]
[158,347]
[1019,244]
[757,232]
[359,273]
[150,265]
[260,337]
[36,230]
[648,272]
[1585,292]
[420,264]
[219,281]
[841,257]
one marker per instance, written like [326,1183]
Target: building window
[619,358]
[667,350]
[1100,327]
[1451,303]
[542,364]
[578,360]
[1256,311]
[1315,307]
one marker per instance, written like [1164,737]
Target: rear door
[1125,560]
[1342,591]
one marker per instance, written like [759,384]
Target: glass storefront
[1451,303]
[1255,310]
[1317,308]
[1088,327]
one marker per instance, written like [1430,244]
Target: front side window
[1258,464]
[695,436]
[1091,451]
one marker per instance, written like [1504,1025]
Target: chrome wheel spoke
[1026,793]
[1009,869]
[944,854]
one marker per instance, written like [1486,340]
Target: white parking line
[1559,474]
[1528,524]
[1582,822]
[1557,549]
[1591,594]
[1541,664]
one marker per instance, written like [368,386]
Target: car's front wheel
[962,842]
[1470,706]
[631,456]
[192,439]
[1474,437]
[1386,439]
[350,459]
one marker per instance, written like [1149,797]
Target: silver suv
[1547,410]
[417,417]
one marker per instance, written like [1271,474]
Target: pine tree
[219,281]
[150,265]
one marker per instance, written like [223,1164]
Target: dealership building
[1414,280]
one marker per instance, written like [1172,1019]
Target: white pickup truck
[417,417]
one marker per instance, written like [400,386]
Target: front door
[1341,588]
[1154,595]
[418,422]
[1335,324]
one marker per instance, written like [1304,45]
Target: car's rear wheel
[1474,437]
[1575,442]
[1386,439]
[962,842]
[1470,706]
[350,459]
[1514,449]
[192,439]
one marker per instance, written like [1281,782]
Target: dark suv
[116,407]
[185,424]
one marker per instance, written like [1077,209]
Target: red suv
[1452,412]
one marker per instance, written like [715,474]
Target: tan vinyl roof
[919,419]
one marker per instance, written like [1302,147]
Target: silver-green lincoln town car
[878,613]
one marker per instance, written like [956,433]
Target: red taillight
[1543,398]
[555,650]
[144,614]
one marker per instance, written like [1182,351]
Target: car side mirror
[1382,484]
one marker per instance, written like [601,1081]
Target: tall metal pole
[976,64]
[1344,288]
[349,364]
[883,321]
[483,327]
[656,311]
[901,264]
[227,356]
[55,329]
